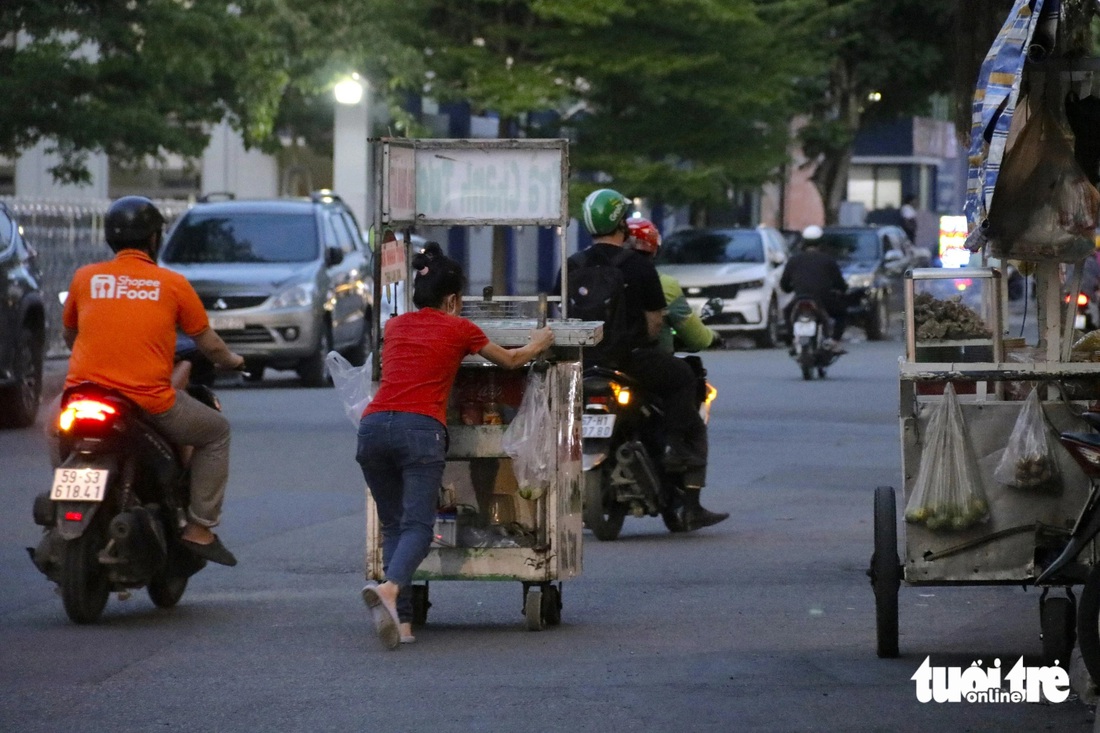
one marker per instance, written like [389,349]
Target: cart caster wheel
[420,604]
[551,605]
[885,572]
[1057,620]
[533,610]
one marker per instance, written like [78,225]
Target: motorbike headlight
[860,280]
[751,285]
[299,296]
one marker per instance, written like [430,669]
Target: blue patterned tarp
[995,97]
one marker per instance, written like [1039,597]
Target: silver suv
[284,281]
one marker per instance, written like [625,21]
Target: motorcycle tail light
[1082,300]
[79,410]
[74,516]
[601,400]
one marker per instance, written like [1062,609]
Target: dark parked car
[284,281]
[22,326]
[874,260]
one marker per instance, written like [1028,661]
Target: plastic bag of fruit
[947,495]
[1030,460]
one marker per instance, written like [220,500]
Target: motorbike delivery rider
[120,320]
[630,345]
[682,328]
[816,274]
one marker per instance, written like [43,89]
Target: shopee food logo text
[124,287]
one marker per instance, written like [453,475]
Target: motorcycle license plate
[597,426]
[79,484]
[805,328]
[1079,321]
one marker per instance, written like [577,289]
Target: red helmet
[646,237]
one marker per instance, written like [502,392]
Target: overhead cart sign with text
[473,182]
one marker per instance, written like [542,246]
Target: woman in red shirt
[403,434]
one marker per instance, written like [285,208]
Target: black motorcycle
[1058,614]
[114,514]
[807,327]
[623,436]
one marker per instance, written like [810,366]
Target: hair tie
[422,271]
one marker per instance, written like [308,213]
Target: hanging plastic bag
[353,384]
[529,439]
[1043,206]
[1029,460]
[948,492]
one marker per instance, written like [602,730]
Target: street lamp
[350,149]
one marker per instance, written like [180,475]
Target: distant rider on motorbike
[631,347]
[682,329]
[120,320]
[816,274]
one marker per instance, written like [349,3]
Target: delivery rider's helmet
[604,211]
[130,222]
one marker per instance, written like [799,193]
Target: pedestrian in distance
[402,436]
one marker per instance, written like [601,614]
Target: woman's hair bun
[432,250]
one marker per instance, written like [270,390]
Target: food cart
[1031,199]
[485,528]
[1022,530]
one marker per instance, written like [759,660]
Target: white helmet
[812,232]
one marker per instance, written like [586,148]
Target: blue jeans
[402,455]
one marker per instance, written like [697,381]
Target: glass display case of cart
[954,315]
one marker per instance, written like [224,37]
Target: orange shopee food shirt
[126,312]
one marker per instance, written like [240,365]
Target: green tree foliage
[899,50]
[135,78]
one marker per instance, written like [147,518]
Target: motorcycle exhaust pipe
[633,459]
[136,538]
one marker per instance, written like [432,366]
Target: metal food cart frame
[416,181]
[1025,532]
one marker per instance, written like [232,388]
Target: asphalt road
[763,623]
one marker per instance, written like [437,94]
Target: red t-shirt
[126,312]
[420,358]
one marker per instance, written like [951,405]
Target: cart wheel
[1056,620]
[1088,623]
[551,604]
[532,609]
[420,604]
[885,572]
[821,372]
[807,372]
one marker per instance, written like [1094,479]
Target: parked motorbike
[113,516]
[1058,614]
[623,439]
[808,322]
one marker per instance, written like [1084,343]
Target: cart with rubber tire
[1024,530]
[488,526]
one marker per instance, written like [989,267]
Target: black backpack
[596,285]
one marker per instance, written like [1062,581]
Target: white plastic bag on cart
[948,492]
[353,384]
[529,439]
[1030,461]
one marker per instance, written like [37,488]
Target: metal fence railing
[67,235]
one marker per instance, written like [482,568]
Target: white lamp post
[350,149]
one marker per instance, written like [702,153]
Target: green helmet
[604,211]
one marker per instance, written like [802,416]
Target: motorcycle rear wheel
[1088,623]
[605,521]
[166,591]
[84,583]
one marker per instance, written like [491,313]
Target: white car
[742,267]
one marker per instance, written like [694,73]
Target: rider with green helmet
[630,343]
